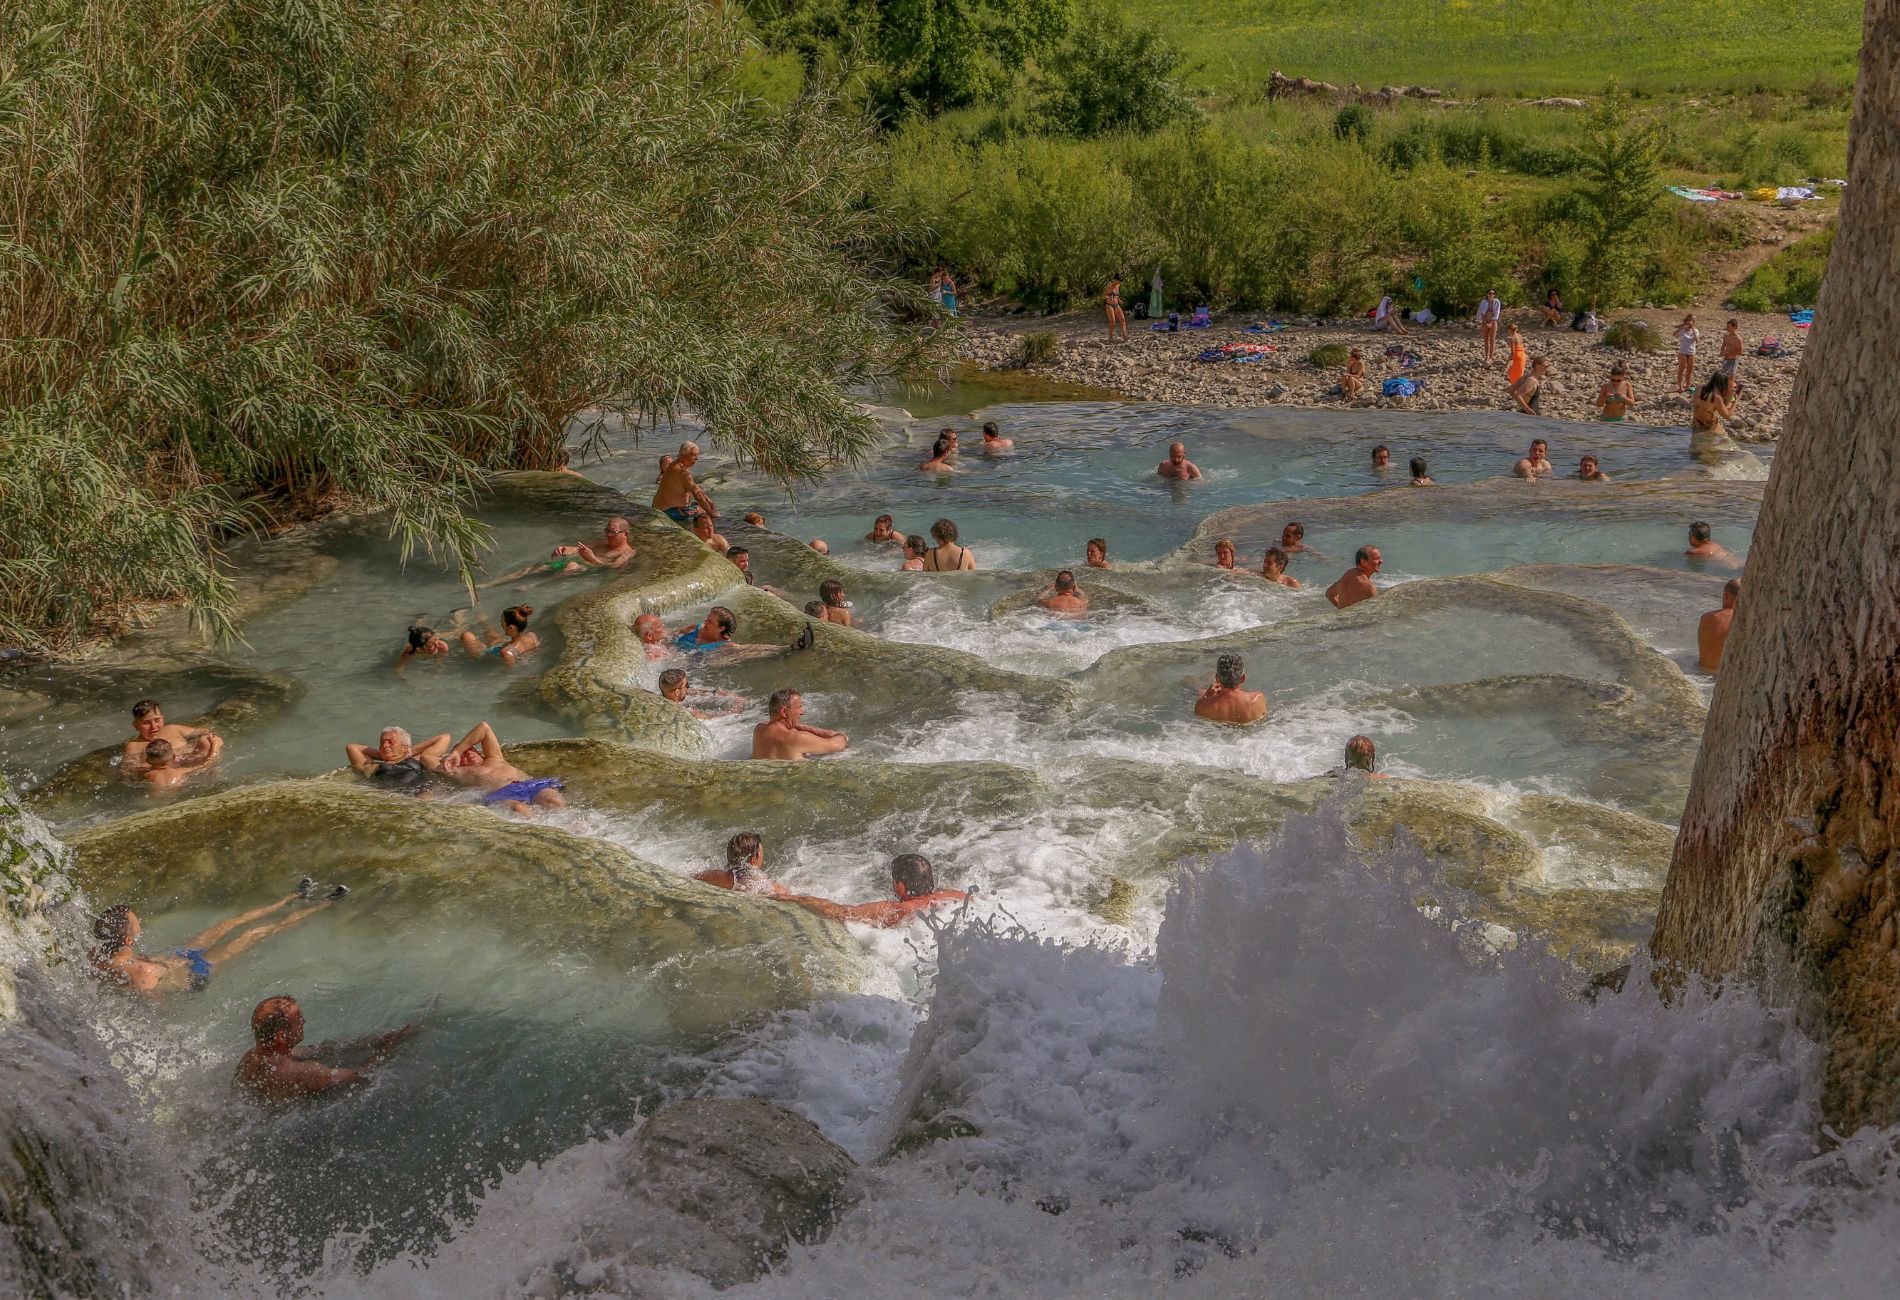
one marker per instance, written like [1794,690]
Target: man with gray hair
[677,495]
[394,760]
[1225,701]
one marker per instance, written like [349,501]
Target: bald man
[278,1069]
[678,495]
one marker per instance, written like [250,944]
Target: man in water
[704,531]
[148,722]
[783,736]
[1095,554]
[1273,568]
[677,494]
[1293,540]
[1361,756]
[754,518]
[115,958]
[165,767]
[837,608]
[651,629]
[994,441]
[1225,701]
[477,761]
[612,551]
[1587,471]
[914,882]
[1535,463]
[395,761]
[1064,597]
[821,546]
[745,868]
[884,531]
[1703,546]
[1381,458]
[1711,633]
[278,1069]
[742,561]
[1177,465]
[1355,584]
[722,704]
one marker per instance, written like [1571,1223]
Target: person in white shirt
[1490,311]
[1387,319]
[1686,337]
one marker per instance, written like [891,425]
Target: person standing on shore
[1519,359]
[1490,312]
[1113,300]
[1687,335]
[1732,349]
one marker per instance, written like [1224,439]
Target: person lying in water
[745,868]
[914,882]
[114,956]
[165,768]
[677,495]
[1273,568]
[651,631]
[1361,756]
[701,702]
[1064,597]
[278,1068]
[612,551]
[423,643]
[1224,701]
[783,735]
[507,645]
[148,724]
[395,760]
[1177,465]
[477,760]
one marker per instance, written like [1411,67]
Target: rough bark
[1786,869]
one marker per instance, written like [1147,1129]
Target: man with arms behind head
[783,736]
[1225,701]
[913,881]
[1355,584]
[1711,635]
[277,1068]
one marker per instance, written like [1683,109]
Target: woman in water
[915,548]
[710,632]
[1224,555]
[507,645]
[1113,300]
[940,453]
[1095,554]
[1273,568]
[1713,405]
[946,556]
[423,644]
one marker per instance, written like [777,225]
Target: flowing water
[1271,1071]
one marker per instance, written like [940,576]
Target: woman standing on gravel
[1686,337]
[1113,300]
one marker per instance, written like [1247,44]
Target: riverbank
[1161,367]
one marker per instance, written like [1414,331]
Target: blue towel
[1402,387]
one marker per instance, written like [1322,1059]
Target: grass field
[1518,46]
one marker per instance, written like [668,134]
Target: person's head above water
[1292,535]
[1587,465]
[785,704]
[831,592]
[741,558]
[421,637]
[1230,670]
[912,876]
[754,518]
[1065,581]
[745,852]
[821,546]
[1539,449]
[1368,559]
[1224,552]
[990,431]
[1177,452]
[1381,456]
[944,531]
[393,743]
[915,545]
[1096,552]
[617,529]
[1274,562]
[945,444]
[1731,592]
[277,1022]
[114,930]
[1717,386]
[815,608]
[148,719]
[1699,532]
[1418,468]
[650,628]
[721,620]
[882,527]
[158,753]
[516,617]
[1361,754]
[673,684]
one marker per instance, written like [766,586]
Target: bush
[1111,75]
[1632,336]
[1353,122]
[1039,347]
[1328,355]
[1791,278]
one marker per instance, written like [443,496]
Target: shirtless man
[1293,540]
[477,761]
[914,882]
[677,494]
[1064,597]
[1177,465]
[783,736]
[837,608]
[1381,458]
[720,704]
[1703,546]
[165,768]
[1535,463]
[884,531]
[277,1069]
[612,551]
[1355,584]
[1732,349]
[745,868]
[1095,554]
[114,956]
[1616,396]
[821,546]
[1361,756]
[1273,568]
[148,721]
[395,760]
[703,530]
[994,441]
[1527,391]
[1224,701]
[1712,633]
[651,629]
[1587,471]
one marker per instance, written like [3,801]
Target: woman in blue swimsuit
[507,645]
[710,632]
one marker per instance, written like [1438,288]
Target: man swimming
[993,439]
[1064,597]
[720,704]
[677,495]
[115,958]
[1711,634]
[1361,756]
[651,630]
[278,1069]
[745,868]
[1293,540]
[914,882]
[1381,457]
[837,608]
[783,736]
[395,761]
[1535,462]
[612,551]
[884,531]
[1224,701]
[1095,554]
[1587,471]
[477,760]
[165,768]
[1355,584]
[1273,568]
[1177,465]
[703,529]
[1703,546]
[148,722]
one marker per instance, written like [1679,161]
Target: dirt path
[1774,229]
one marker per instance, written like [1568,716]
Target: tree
[1111,75]
[1787,867]
[1620,162]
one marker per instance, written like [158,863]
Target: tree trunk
[1786,869]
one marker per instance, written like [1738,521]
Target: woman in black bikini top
[945,533]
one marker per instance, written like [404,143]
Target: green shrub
[1328,355]
[1632,335]
[1791,278]
[1039,346]
[1111,75]
[1353,122]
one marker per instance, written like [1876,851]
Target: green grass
[1791,278]
[1547,47]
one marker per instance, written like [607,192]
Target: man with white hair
[678,496]
[394,760]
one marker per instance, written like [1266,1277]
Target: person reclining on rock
[1064,597]
[913,881]
[717,703]
[477,760]
[277,1068]
[612,551]
[394,761]
[165,768]
[114,956]
[783,736]
[1224,701]
[148,721]
[745,868]
[1711,633]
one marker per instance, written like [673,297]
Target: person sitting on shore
[913,881]
[1224,701]
[612,551]
[993,439]
[1273,568]
[1388,317]
[1535,463]
[1353,379]
[115,958]
[677,494]
[148,724]
[1527,391]
[1713,406]
[1293,540]
[1616,396]
[837,608]
[1177,465]
[716,703]
[1703,546]
[1361,756]
[277,1069]
[1095,553]
[1355,584]
[650,629]
[477,760]
[422,643]
[1553,310]
[1224,554]
[1711,634]
[784,736]
[1587,471]
[1421,476]
[915,548]
[1064,597]
[745,868]
[165,768]
[940,453]
[507,645]
[394,760]
[946,556]
[884,532]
